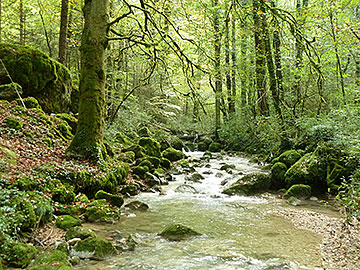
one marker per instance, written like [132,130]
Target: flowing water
[238,232]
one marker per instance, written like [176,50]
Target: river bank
[340,247]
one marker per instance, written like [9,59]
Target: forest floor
[341,240]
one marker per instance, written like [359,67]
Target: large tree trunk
[217,67]
[63,31]
[88,140]
[227,62]
[260,64]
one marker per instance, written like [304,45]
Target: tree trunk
[22,23]
[243,65]
[217,67]
[233,59]
[63,31]
[88,140]
[227,62]
[260,68]
[270,63]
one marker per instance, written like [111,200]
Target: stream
[238,232]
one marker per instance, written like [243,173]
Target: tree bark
[270,63]
[22,23]
[217,67]
[63,31]
[227,62]
[260,64]
[0,21]
[233,59]
[88,140]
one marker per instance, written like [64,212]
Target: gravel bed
[340,248]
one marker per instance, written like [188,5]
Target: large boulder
[289,157]
[39,76]
[309,170]
[173,154]
[151,146]
[249,184]
[301,192]
[278,171]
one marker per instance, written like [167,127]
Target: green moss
[165,163]
[151,146]
[66,222]
[100,210]
[202,146]
[27,215]
[114,200]
[40,76]
[289,157]
[97,248]
[79,232]
[137,149]
[123,139]
[278,171]
[250,184]
[215,147]
[178,232]
[65,130]
[70,120]
[20,254]
[146,162]
[51,260]
[14,123]
[63,194]
[227,166]
[144,132]
[173,154]
[176,143]
[10,91]
[301,192]
[30,103]
[190,146]
[128,157]
[140,171]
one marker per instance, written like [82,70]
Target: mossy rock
[137,206]
[146,162]
[30,103]
[144,132]
[128,157]
[114,200]
[155,161]
[289,157]
[14,123]
[51,260]
[215,147]
[178,232]
[309,170]
[173,154]
[278,171]
[39,76]
[20,254]
[101,211]
[249,184]
[70,119]
[165,163]
[131,189]
[10,91]
[27,213]
[137,149]
[123,139]
[63,194]
[190,146]
[93,248]
[67,222]
[65,130]
[195,177]
[79,232]
[227,167]
[140,171]
[151,146]
[301,192]
[202,146]
[176,143]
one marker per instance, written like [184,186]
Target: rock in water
[178,232]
